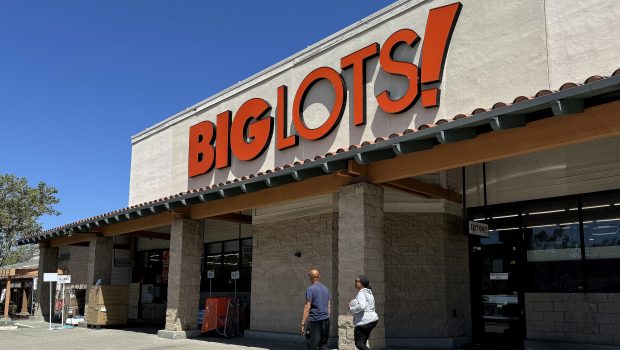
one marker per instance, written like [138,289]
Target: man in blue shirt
[316,312]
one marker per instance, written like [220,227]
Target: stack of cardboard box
[134,301]
[107,305]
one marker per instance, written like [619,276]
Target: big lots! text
[248,134]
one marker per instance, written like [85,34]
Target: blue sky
[78,78]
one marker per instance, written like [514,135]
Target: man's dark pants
[317,334]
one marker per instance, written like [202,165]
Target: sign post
[210,276]
[34,288]
[50,277]
[63,279]
[234,275]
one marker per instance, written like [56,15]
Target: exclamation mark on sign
[439,27]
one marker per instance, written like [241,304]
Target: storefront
[370,152]
[17,288]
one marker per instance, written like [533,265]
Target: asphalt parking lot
[37,335]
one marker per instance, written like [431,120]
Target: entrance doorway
[496,264]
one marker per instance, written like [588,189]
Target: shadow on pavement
[214,337]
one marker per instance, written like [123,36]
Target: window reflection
[223,258]
[551,228]
[552,231]
[601,223]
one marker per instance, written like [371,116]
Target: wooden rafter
[141,224]
[296,190]
[594,123]
[234,217]
[149,234]
[74,238]
[425,189]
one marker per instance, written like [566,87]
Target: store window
[551,229]
[571,244]
[223,258]
[601,227]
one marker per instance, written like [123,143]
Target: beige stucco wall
[498,51]
[580,39]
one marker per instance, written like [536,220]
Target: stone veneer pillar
[360,251]
[48,263]
[99,261]
[186,248]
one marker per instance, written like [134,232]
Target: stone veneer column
[99,261]
[360,251]
[48,263]
[186,247]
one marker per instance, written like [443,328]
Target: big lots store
[371,152]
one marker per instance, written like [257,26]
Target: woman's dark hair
[364,281]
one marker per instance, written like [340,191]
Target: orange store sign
[248,134]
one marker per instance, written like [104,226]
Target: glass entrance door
[496,264]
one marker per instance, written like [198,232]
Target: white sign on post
[478,229]
[50,277]
[210,273]
[62,279]
[234,275]
[498,276]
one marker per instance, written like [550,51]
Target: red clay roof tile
[594,78]
[519,99]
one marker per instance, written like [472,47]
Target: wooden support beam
[74,238]
[455,135]
[594,123]
[234,217]
[292,191]
[276,181]
[425,189]
[335,166]
[373,156]
[565,107]
[505,122]
[254,186]
[357,169]
[413,146]
[144,223]
[149,234]
[7,298]
[308,173]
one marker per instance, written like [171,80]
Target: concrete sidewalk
[37,335]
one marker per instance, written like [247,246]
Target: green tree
[21,206]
